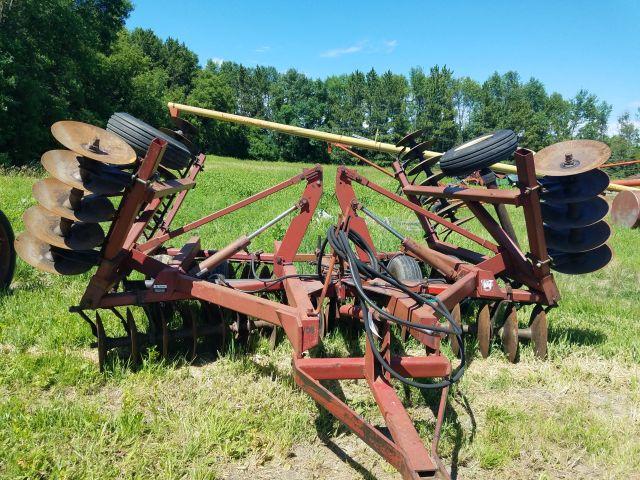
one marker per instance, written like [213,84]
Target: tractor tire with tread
[139,135]
[479,153]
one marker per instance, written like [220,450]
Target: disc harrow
[190,300]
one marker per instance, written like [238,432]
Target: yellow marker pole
[328,137]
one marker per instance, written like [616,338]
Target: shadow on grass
[576,336]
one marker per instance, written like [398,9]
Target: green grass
[575,415]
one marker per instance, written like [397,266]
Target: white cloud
[363,46]
[390,45]
[263,49]
[338,52]
[216,60]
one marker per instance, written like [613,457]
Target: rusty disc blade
[184,126]
[424,165]
[571,157]
[625,210]
[410,139]
[539,331]
[580,263]
[416,151]
[574,240]
[93,142]
[70,203]
[450,208]
[484,330]
[51,259]
[85,174]
[453,339]
[176,135]
[575,188]
[510,342]
[433,179]
[574,215]
[59,232]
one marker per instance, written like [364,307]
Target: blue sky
[567,45]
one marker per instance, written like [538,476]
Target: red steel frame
[475,277]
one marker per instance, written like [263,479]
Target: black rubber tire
[405,268]
[479,153]
[7,252]
[139,135]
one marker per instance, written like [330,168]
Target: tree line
[74,59]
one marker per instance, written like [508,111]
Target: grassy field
[576,415]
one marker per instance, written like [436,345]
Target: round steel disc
[423,165]
[576,240]
[510,341]
[433,179]
[539,331]
[416,151]
[84,174]
[181,138]
[574,215]
[93,142]
[580,263]
[575,188]
[625,209]
[484,330]
[184,126]
[453,340]
[571,157]
[409,140]
[56,197]
[51,259]
[47,227]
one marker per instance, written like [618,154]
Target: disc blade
[69,203]
[574,215]
[571,157]
[576,240]
[449,209]
[410,139]
[625,210]
[51,259]
[184,126]
[423,165]
[574,188]
[50,228]
[580,263]
[416,150]
[93,142]
[85,174]
[433,179]
[176,135]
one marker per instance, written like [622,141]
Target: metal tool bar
[272,222]
[382,223]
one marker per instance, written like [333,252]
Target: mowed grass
[576,415]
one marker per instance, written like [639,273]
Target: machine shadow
[576,336]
